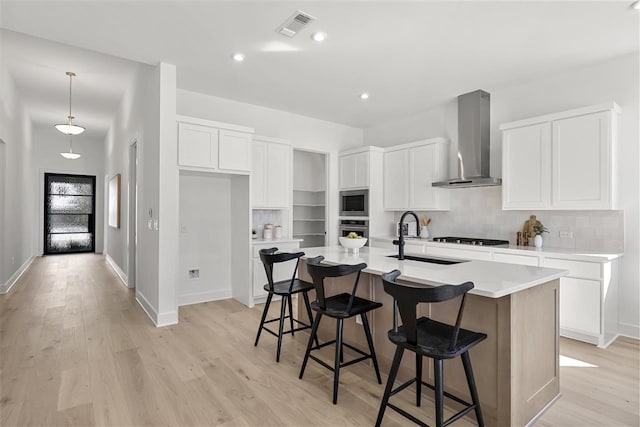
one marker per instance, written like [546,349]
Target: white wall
[20,210]
[138,119]
[205,237]
[303,132]
[613,80]
[48,143]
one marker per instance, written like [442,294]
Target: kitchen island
[516,367]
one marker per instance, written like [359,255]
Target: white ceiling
[409,56]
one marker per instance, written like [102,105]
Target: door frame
[132,216]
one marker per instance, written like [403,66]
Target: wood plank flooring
[76,349]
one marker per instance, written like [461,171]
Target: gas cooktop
[471,241]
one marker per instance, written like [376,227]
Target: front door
[69,213]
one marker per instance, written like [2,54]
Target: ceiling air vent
[295,23]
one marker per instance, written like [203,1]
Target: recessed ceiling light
[319,36]
[238,57]
[636,5]
[364,96]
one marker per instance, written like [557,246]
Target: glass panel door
[69,217]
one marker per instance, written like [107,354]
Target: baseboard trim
[6,287]
[147,307]
[200,297]
[159,320]
[580,336]
[116,268]
[628,330]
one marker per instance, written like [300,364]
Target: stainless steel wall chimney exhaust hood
[473,143]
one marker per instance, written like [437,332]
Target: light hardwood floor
[76,349]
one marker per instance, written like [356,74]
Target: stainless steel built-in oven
[354,203]
[358,226]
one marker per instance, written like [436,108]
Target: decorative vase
[424,232]
[537,241]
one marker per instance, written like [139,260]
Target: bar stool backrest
[407,297]
[318,272]
[269,257]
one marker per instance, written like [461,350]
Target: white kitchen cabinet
[271,173]
[197,146]
[234,150]
[396,180]
[281,271]
[354,170]
[563,161]
[526,167]
[581,168]
[409,171]
[588,299]
[213,146]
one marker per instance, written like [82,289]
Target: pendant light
[70,155]
[69,128]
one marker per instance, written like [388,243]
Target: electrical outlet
[359,320]
[183,228]
[13,260]
[566,234]
[194,274]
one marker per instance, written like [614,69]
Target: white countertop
[570,253]
[270,241]
[491,279]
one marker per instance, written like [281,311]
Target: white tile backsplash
[477,212]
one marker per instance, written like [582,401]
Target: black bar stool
[340,307]
[284,288]
[427,337]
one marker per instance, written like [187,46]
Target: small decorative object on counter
[424,231]
[277,232]
[519,239]
[254,235]
[538,229]
[267,232]
[527,230]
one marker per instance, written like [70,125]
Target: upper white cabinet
[213,146]
[354,170]
[271,173]
[561,161]
[409,171]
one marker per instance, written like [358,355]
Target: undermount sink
[431,260]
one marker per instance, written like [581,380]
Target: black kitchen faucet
[400,241]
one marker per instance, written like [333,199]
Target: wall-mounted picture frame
[114,201]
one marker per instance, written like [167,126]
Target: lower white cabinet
[588,300]
[281,271]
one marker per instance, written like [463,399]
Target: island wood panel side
[535,350]
[490,359]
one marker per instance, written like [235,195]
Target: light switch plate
[566,234]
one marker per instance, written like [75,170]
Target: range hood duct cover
[473,143]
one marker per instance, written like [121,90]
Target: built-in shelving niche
[309,198]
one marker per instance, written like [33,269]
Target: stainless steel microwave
[354,203]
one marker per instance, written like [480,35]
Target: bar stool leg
[314,331]
[283,307]
[367,332]
[291,314]
[264,316]
[397,358]
[308,306]
[437,375]
[418,378]
[466,362]
[336,369]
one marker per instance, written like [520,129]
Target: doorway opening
[69,213]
